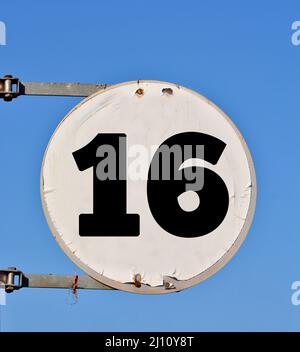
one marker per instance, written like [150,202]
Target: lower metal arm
[12,279]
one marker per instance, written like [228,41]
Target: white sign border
[182,284]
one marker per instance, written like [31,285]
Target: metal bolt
[8,97]
[9,287]
[137,280]
[167,91]
[168,285]
[8,88]
[140,92]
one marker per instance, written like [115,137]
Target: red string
[75,284]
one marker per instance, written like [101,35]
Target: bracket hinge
[9,88]
[12,279]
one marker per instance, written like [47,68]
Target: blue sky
[237,53]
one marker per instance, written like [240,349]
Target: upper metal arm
[11,87]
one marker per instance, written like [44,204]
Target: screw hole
[167,91]
[139,92]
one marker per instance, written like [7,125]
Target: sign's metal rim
[182,284]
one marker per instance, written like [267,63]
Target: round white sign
[148,187]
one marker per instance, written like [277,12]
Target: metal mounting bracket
[13,279]
[11,88]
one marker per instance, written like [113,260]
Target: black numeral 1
[109,216]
